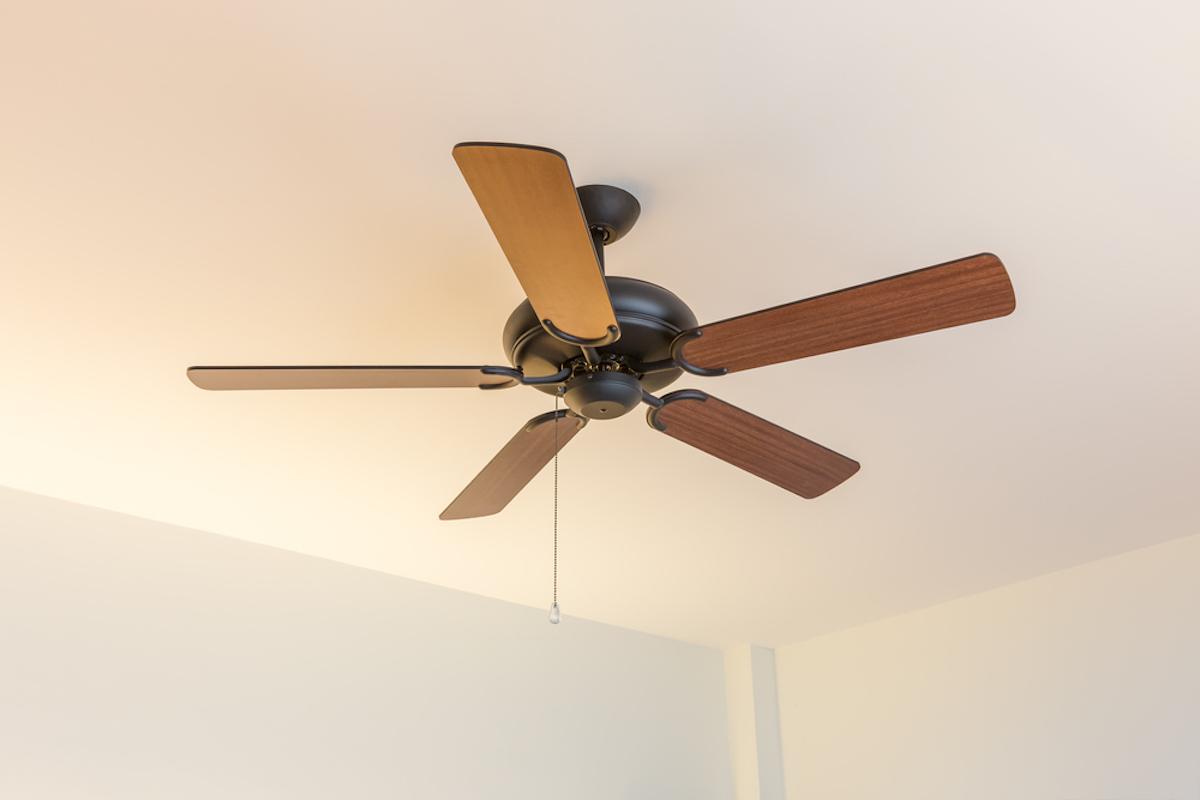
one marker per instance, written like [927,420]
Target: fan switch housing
[603,394]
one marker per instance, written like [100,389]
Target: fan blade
[219,378]
[529,200]
[515,465]
[751,443]
[968,290]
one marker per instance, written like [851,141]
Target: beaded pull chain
[555,614]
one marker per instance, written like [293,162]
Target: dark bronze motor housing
[650,318]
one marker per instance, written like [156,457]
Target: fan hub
[650,318]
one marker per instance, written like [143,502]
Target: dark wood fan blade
[220,378]
[515,465]
[968,290]
[529,200]
[751,443]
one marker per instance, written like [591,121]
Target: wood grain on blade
[224,378]
[529,200]
[959,292]
[761,448]
[514,466]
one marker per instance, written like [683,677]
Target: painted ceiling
[271,183]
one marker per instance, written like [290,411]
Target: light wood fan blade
[222,378]
[751,443]
[527,195]
[515,465]
[956,293]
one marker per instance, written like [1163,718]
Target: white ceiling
[271,183]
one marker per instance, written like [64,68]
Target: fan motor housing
[650,318]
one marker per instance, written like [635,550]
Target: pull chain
[555,615]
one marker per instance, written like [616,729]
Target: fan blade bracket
[519,377]
[549,417]
[673,397]
[515,377]
[677,346]
[506,385]
[612,335]
[652,401]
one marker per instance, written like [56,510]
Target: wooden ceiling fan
[605,343]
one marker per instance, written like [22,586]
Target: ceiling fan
[605,343]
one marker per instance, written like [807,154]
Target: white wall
[141,660]
[1080,685]
[754,745]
